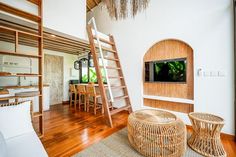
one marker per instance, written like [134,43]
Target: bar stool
[91,92]
[73,95]
[81,95]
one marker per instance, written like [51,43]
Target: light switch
[206,73]
[221,73]
[214,73]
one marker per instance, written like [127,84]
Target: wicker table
[205,138]
[157,133]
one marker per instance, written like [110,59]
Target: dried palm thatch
[121,9]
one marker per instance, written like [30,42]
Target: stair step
[115,77]
[104,41]
[113,87]
[120,97]
[109,67]
[112,59]
[119,109]
[37,114]
[108,50]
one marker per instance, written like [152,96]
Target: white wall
[206,25]
[68,17]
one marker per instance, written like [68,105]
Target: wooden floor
[68,132]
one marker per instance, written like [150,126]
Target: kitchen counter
[24,93]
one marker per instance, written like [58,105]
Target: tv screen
[166,70]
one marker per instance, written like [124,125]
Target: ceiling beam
[88,7]
[95,1]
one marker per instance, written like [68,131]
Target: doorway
[53,75]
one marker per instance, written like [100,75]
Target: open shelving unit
[36,37]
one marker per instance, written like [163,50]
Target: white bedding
[26,145]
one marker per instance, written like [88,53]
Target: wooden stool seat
[73,95]
[205,138]
[82,94]
[91,93]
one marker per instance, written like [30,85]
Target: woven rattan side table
[156,133]
[205,138]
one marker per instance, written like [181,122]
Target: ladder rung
[36,2]
[108,67]
[120,97]
[112,59]
[108,50]
[117,87]
[104,40]
[115,77]
[120,109]
[37,114]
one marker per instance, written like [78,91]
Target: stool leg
[88,103]
[75,101]
[79,100]
[85,102]
[102,109]
[95,105]
[71,99]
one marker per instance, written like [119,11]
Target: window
[88,71]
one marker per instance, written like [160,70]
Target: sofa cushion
[15,120]
[26,145]
[3,146]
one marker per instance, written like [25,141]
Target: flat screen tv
[173,70]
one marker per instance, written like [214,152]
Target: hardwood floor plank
[68,131]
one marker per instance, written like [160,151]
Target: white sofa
[17,136]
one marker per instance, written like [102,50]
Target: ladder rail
[92,21]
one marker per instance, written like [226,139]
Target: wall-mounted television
[173,70]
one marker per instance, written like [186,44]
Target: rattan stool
[205,138]
[156,133]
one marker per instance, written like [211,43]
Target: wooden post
[16,41]
[40,65]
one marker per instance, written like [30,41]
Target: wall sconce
[77,63]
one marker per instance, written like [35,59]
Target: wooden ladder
[97,51]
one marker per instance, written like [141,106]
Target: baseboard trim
[223,136]
[65,102]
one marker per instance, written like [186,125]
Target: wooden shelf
[20,54]
[17,97]
[37,114]
[21,75]
[4,91]
[171,99]
[20,32]
[18,12]
[8,98]
[16,36]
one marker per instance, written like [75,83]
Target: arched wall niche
[164,50]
